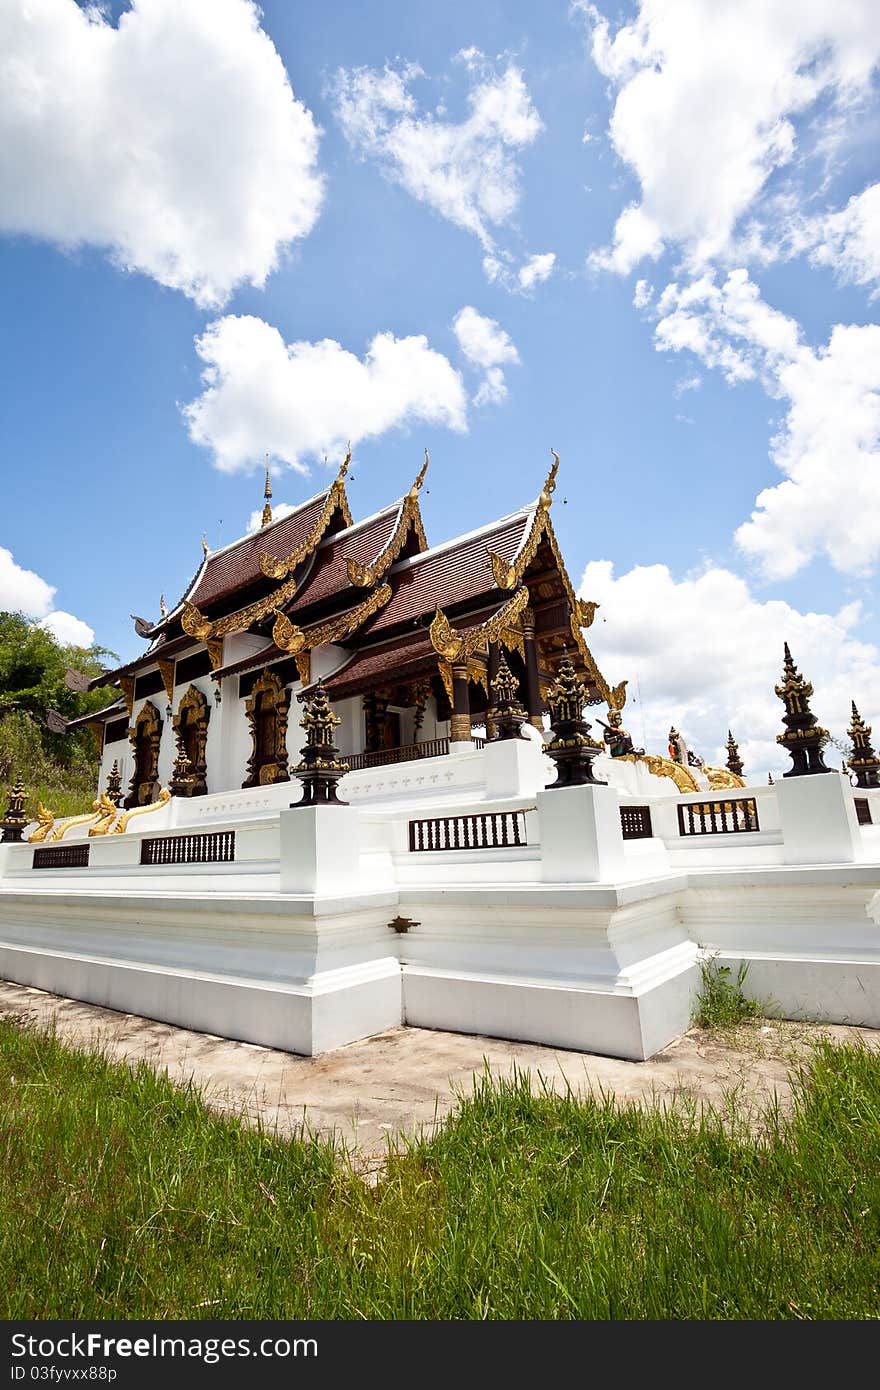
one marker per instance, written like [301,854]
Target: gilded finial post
[572,748]
[507,713]
[267,502]
[803,738]
[863,761]
[734,761]
[320,767]
[15,819]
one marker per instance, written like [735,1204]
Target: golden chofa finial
[343,468]
[267,507]
[163,606]
[420,478]
[546,499]
[204,542]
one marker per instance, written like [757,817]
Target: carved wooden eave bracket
[409,518]
[454,646]
[298,641]
[279,567]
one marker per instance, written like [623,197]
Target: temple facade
[405,637]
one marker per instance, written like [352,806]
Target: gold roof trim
[195,624]
[365,576]
[276,567]
[290,638]
[458,646]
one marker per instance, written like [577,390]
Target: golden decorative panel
[457,646]
[290,638]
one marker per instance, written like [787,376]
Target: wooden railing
[718,817]
[863,810]
[64,857]
[494,830]
[635,822]
[216,847]
[406,753]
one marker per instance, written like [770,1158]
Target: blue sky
[663,226]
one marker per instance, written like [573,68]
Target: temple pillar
[460,723]
[534,706]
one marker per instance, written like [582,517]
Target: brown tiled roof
[118,707]
[398,660]
[328,574]
[449,574]
[239,564]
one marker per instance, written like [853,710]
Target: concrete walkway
[407,1078]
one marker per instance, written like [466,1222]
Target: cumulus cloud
[828,446]
[705,106]
[848,241]
[295,401]
[279,510]
[24,591]
[467,171]
[536,270]
[705,655]
[487,346]
[172,139]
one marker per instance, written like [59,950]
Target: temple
[406,639]
[355,781]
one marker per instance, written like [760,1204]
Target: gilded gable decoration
[145,735]
[458,646]
[191,734]
[290,638]
[278,567]
[364,576]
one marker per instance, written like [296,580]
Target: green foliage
[121,1196]
[721,1002]
[58,769]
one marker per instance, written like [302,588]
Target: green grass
[121,1196]
[721,1002]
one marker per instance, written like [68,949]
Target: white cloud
[692,382]
[301,400]
[706,96]
[23,591]
[279,510]
[848,241]
[173,139]
[706,654]
[466,171]
[68,630]
[536,270]
[642,294]
[828,446]
[487,346]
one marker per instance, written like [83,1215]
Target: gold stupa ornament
[734,761]
[320,767]
[572,748]
[267,502]
[506,713]
[15,819]
[863,761]
[804,738]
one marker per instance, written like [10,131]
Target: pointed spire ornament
[804,738]
[204,542]
[507,713]
[15,819]
[182,775]
[734,761]
[163,606]
[572,749]
[114,784]
[267,504]
[321,767]
[770,781]
[864,761]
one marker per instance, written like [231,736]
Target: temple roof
[328,572]
[452,573]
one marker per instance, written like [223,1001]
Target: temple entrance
[267,710]
[191,733]
[145,735]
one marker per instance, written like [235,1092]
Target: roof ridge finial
[545,500]
[420,478]
[267,495]
[204,542]
[343,467]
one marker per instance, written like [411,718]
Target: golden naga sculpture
[586,612]
[278,567]
[454,646]
[122,824]
[290,638]
[664,767]
[63,826]
[721,778]
[106,815]
[45,821]
[365,576]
